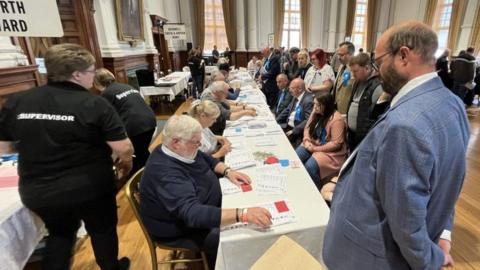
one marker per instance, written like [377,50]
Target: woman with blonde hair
[303,64]
[206,113]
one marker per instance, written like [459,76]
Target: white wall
[467,26]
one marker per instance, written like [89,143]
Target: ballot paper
[270,180]
[257,124]
[238,142]
[281,213]
[240,159]
[230,188]
[264,141]
[253,133]
[233,132]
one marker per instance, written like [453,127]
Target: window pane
[285,39]
[294,39]
[442,38]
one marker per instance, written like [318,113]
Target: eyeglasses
[192,143]
[375,64]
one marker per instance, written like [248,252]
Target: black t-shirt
[61,131]
[136,115]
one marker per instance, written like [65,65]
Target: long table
[170,85]
[239,248]
[20,229]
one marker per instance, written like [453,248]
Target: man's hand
[445,245]
[289,133]
[238,178]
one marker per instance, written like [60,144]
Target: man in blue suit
[394,201]
[295,116]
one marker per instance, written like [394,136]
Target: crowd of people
[381,136]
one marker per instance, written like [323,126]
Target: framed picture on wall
[129,15]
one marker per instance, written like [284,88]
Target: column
[10,55]
[332,26]
[240,25]
[252,26]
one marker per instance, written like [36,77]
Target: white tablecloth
[240,248]
[171,85]
[20,230]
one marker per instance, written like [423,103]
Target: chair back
[132,192]
[145,77]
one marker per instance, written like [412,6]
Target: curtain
[458,9]
[475,35]
[430,12]
[229,15]
[199,7]
[304,21]
[352,4]
[279,16]
[371,14]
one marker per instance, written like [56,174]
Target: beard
[392,81]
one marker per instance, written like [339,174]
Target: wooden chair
[133,196]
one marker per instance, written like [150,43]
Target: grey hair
[218,86]
[208,107]
[417,36]
[214,76]
[180,126]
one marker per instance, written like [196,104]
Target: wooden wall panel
[122,66]
[241,59]
[17,79]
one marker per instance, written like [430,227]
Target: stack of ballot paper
[264,141]
[233,132]
[230,188]
[240,159]
[270,180]
[238,142]
[257,124]
[281,213]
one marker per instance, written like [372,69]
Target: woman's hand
[223,141]
[328,188]
[259,216]
[225,149]
[238,178]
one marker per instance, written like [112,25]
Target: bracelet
[330,181]
[244,215]
[225,171]
[237,218]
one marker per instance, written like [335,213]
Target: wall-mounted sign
[175,32]
[31,18]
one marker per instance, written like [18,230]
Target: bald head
[297,87]
[415,35]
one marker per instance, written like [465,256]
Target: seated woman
[323,150]
[180,195]
[206,112]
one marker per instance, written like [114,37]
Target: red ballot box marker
[281,206]
[246,187]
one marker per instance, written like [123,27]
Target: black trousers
[140,144]
[63,221]
[353,140]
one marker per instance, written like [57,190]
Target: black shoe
[124,263]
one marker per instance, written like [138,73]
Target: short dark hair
[470,50]
[294,50]
[350,46]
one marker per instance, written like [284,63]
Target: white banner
[30,18]
[175,32]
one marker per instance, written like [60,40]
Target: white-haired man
[228,111]
[180,193]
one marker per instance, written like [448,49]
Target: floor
[466,232]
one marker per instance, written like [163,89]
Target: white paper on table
[233,132]
[281,212]
[253,133]
[265,141]
[269,169]
[270,184]
[228,187]
[255,124]
[240,159]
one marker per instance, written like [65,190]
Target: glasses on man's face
[376,63]
[193,143]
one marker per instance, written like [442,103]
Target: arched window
[359,33]
[441,22]
[214,26]
[291,24]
